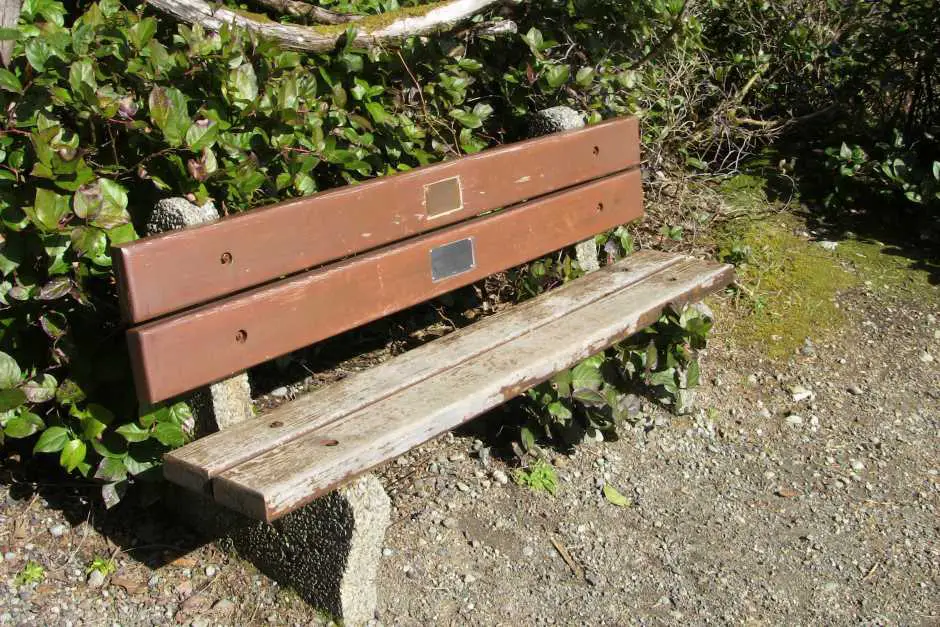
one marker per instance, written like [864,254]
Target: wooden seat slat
[166,273]
[284,478]
[184,351]
[194,465]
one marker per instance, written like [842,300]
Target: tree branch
[312,11]
[440,18]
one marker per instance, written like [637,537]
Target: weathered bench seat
[214,300]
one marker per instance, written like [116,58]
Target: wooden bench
[213,300]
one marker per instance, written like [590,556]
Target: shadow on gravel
[140,527]
[903,229]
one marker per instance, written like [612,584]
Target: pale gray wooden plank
[291,475]
[195,464]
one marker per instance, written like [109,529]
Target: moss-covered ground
[788,283]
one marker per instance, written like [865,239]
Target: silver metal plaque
[452,259]
[443,197]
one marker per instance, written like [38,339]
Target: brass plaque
[452,259]
[443,197]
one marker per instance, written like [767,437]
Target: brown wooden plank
[165,273]
[284,478]
[193,465]
[185,351]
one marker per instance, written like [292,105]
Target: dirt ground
[800,491]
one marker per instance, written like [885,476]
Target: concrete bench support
[328,551]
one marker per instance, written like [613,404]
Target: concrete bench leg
[328,551]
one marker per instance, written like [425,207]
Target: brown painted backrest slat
[195,347]
[167,273]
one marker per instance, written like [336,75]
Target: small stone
[794,419]
[500,477]
[857,465]
[828,245]
[272,618]
[280,392]
[800,393]
[528,551]
[95,579]
[463,487]
[387,552]
[223,607]
[211,571]
[764,413]
[58,531]
[808,349]
[752,380]
[449,522]
[926,357]
[854,389]
[154,581]
[199,621]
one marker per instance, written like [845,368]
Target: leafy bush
[600,392]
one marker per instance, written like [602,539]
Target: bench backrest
[213,300]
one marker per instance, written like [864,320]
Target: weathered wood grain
[187,350]
[298,471]
[163,274]
[195,464]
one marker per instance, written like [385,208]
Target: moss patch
[378,21]
[789,285]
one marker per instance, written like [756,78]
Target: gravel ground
[803,492]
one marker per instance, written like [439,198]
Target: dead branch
[313,12]
[441,18]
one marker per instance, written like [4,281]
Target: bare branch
[304,9]
[441,18]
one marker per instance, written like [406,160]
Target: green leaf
[73,454]
[49,208]
[693,374]
[113,209]
[55,289]
[40,390]
[37,53]
[585,76]
[111,469]
[586,375]
[10,373]
[243,84]
[528,438]
[169,434]
[133,432]
[469,120]
[557,75]
[89,241]
[52,440]
[559,411]
[11,399]
[168,110]
[24,425]
[590,397]
[614,497]
[112,493]
[82,79]
[69,392]
[10,82]
[202,134]
[140,34]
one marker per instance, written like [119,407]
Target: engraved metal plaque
[443,197]
[452,259]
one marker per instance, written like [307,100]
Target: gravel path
[803,492]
